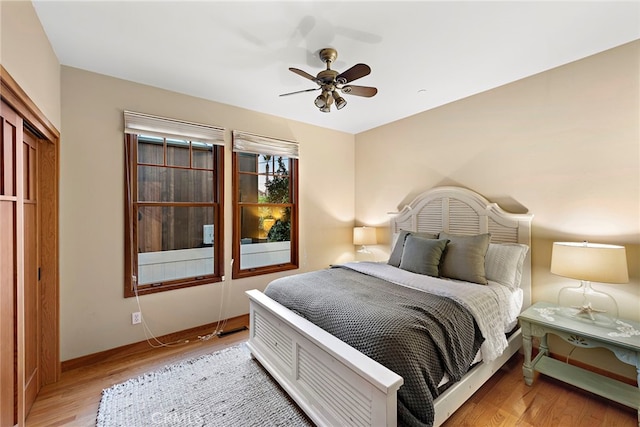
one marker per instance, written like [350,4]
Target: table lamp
[364,236]
[589,262]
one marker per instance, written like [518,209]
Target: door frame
[48,182]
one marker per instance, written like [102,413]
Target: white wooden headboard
[457,210]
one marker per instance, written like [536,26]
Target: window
[173,206]
[265,208]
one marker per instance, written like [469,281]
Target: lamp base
[585,304]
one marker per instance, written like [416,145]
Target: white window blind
[146,124]
[256,144]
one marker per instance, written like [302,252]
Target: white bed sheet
[513,307]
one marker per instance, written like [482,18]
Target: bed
[334,382]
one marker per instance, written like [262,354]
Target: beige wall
[25,52]
[94,314]
[563,145]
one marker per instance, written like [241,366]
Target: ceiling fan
[331,81]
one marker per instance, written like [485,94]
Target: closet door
[10,260]
[29,279]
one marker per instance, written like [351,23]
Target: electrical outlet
[136,318]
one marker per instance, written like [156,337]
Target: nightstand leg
[527,371]
[544,347]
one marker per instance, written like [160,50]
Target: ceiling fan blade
[304,74]
[300,91]
[353,73]
[366,91]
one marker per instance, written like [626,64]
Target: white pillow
[503,263]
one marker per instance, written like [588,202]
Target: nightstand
[622,338]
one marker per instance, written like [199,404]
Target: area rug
[226,388]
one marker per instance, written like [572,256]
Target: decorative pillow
[422,255]
[464,257]
[396,253]
[503,263]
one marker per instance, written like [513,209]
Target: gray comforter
[417,335]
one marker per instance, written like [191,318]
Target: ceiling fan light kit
[330,82]
[340,101]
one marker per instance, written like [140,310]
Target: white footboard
[333,383]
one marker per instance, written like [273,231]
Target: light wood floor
[503,401]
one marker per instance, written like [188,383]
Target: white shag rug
[226,388]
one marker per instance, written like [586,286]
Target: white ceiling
[422,54]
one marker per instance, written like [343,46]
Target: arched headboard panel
[457,210]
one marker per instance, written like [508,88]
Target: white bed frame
[337,385]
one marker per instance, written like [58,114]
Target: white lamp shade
[364,236]
[591,262]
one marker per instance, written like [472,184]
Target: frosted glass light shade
[589,262]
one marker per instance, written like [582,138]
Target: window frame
[237,271]
[131,205]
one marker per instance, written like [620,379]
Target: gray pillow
[396,253]
[464,257]
[503,263]
[422,255]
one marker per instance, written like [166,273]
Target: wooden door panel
[10,137]
[48,257]
[32,331]
[31,307]
[7,312]
[8,151]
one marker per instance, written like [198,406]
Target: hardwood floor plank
[507,400]
[503,401]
